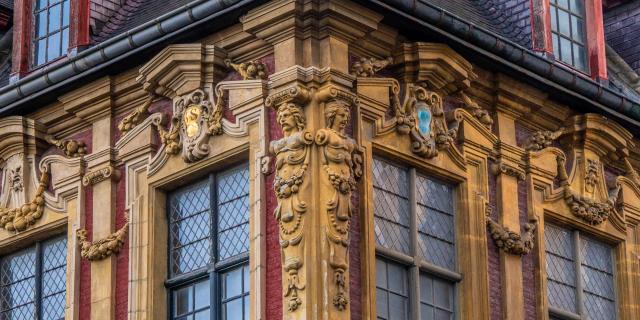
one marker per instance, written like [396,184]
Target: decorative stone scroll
[511,242]
[422,117]
[194,120]
[94,177]
[542,139]
[589,210]
[291,165]
[252,70]
[136,116]
[103,248]
[71,148]
[367,67]
[19,219]
[341,159]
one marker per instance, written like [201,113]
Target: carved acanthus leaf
[103,248]
[429,131]
[481,114]
[542,139]
[136,116]
[252,70]
[96,176]
[367,67]
[71,148]
[511,242]
[19,219]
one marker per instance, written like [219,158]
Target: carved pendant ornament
[19,219]
[341,159]
[195,119]
[511,242]
[292,161]
[103,248]
[422,117]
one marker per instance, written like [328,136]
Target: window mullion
[578,267]
[414,271]
[39,272]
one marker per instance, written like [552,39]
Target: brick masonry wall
[274,263]
[495,281]
[85,266]
[622,31]
[528,261]
[122,259]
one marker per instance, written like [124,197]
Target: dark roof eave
[517,58]
[14,97]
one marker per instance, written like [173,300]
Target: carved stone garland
[341,159]
[589,210]
[422,117]
[511,242]
[367,67]
[103,248]
[136,116]
[194,120]
[481,114]
[291,164]
[542,139]
[71,148]
[19,219]
[252,70]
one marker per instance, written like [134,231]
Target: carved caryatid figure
[291,154]
[341,161]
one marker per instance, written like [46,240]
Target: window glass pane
[183,300]
[563,23]
[391,206]
[554,20]
[41,24]
[65,41]
[202,295]
[65,13]
[559,257]
[53,46]
[233,212]
[435,222]
[597,278]
[54,17]
[563,3]
[392,297]
[41,4]
[579,57]
[565,50]
[556,45]
[17,285]
[577,7]
[232,284]
[232,309]
[577,27]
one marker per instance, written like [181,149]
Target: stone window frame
[415,265]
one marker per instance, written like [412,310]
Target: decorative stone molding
[15,179]
[291,163]
[422,117]
[103,248]
[19,219]
[136,116]
[93,177]
[592,173]
[71,148]
[368,67]
[502,167]
[631,171]
[252,70]
[481,114]
[542,139]
[512,242]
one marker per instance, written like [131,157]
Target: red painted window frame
[23,28]
[541,35]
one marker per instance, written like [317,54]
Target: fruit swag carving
[585,208]
[252,70]
[367,67]
[194,120]
[511,242]
[542,139]
[291,163]
[422,117]
[103,248]
[136,116]
[341,159]
[71,148]
[19,219]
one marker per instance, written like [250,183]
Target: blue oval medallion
[424,120]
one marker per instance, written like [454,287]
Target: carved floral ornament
[422,117]
[510,241]
[368,67]
[252,70]
[103,248]
[71,148]
[19,219]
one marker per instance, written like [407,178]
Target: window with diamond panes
[51,31]
[209,247]
[579,275]
[568,32]
[415,243]
[33,281]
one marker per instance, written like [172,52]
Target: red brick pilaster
[22,30]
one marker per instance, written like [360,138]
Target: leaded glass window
[568,32]
[415,236]
[579,275]
[51,32]
[209,247]
[33,281]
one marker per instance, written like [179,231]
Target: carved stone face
[337,116]
[290,119]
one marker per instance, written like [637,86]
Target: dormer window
[51,32]
[568,32]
